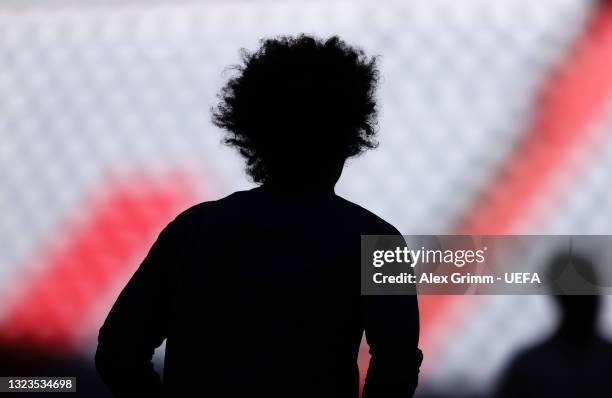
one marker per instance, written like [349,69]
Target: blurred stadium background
[496,117]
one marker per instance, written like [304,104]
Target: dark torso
[266,297]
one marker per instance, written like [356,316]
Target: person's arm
[392,332]
[137,323]
[391,324]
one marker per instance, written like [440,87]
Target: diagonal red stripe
[571,100]
[570,103]
[54,308]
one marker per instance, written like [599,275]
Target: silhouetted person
[575,361]
[258,293]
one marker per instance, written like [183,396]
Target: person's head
[298,107]
[579,313]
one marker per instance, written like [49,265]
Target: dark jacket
[258,294]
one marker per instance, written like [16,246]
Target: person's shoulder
[209,208]
[375,224]
[536,354]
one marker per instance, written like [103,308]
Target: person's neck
[577,332]
[299,187]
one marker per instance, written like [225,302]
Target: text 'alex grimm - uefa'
[457,258]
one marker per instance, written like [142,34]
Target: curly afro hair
[299,104]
